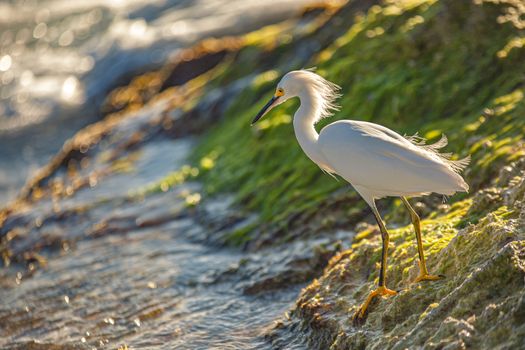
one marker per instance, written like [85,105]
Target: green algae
[483,264]
[171,180]
[417,66]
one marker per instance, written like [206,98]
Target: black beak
[264,109]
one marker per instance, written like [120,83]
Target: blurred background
[59,59]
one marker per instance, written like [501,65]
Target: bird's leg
[423,272]
[381,290]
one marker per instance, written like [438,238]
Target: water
[150,288]
[126,270]
[59,59]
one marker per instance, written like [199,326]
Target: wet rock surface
[478,305]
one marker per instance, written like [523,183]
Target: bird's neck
[304,127]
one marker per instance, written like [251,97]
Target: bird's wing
[415,143]
[372,156]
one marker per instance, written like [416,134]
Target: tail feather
[459,165]
[443,141]
[456,165]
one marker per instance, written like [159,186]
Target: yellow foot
[361,313]
[428,277]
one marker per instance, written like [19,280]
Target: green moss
[404,65]
[169,181]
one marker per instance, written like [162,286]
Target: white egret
[377,161]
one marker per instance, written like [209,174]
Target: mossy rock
[426,66]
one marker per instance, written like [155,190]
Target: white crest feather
[326,93]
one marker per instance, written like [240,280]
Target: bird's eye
[279,92]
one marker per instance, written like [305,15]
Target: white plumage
[377,161]
[380,163]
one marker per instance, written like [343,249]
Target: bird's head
[300,83]
[287,88]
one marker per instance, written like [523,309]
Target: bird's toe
[359,317]
[428,277]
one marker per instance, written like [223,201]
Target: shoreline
[32,146]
